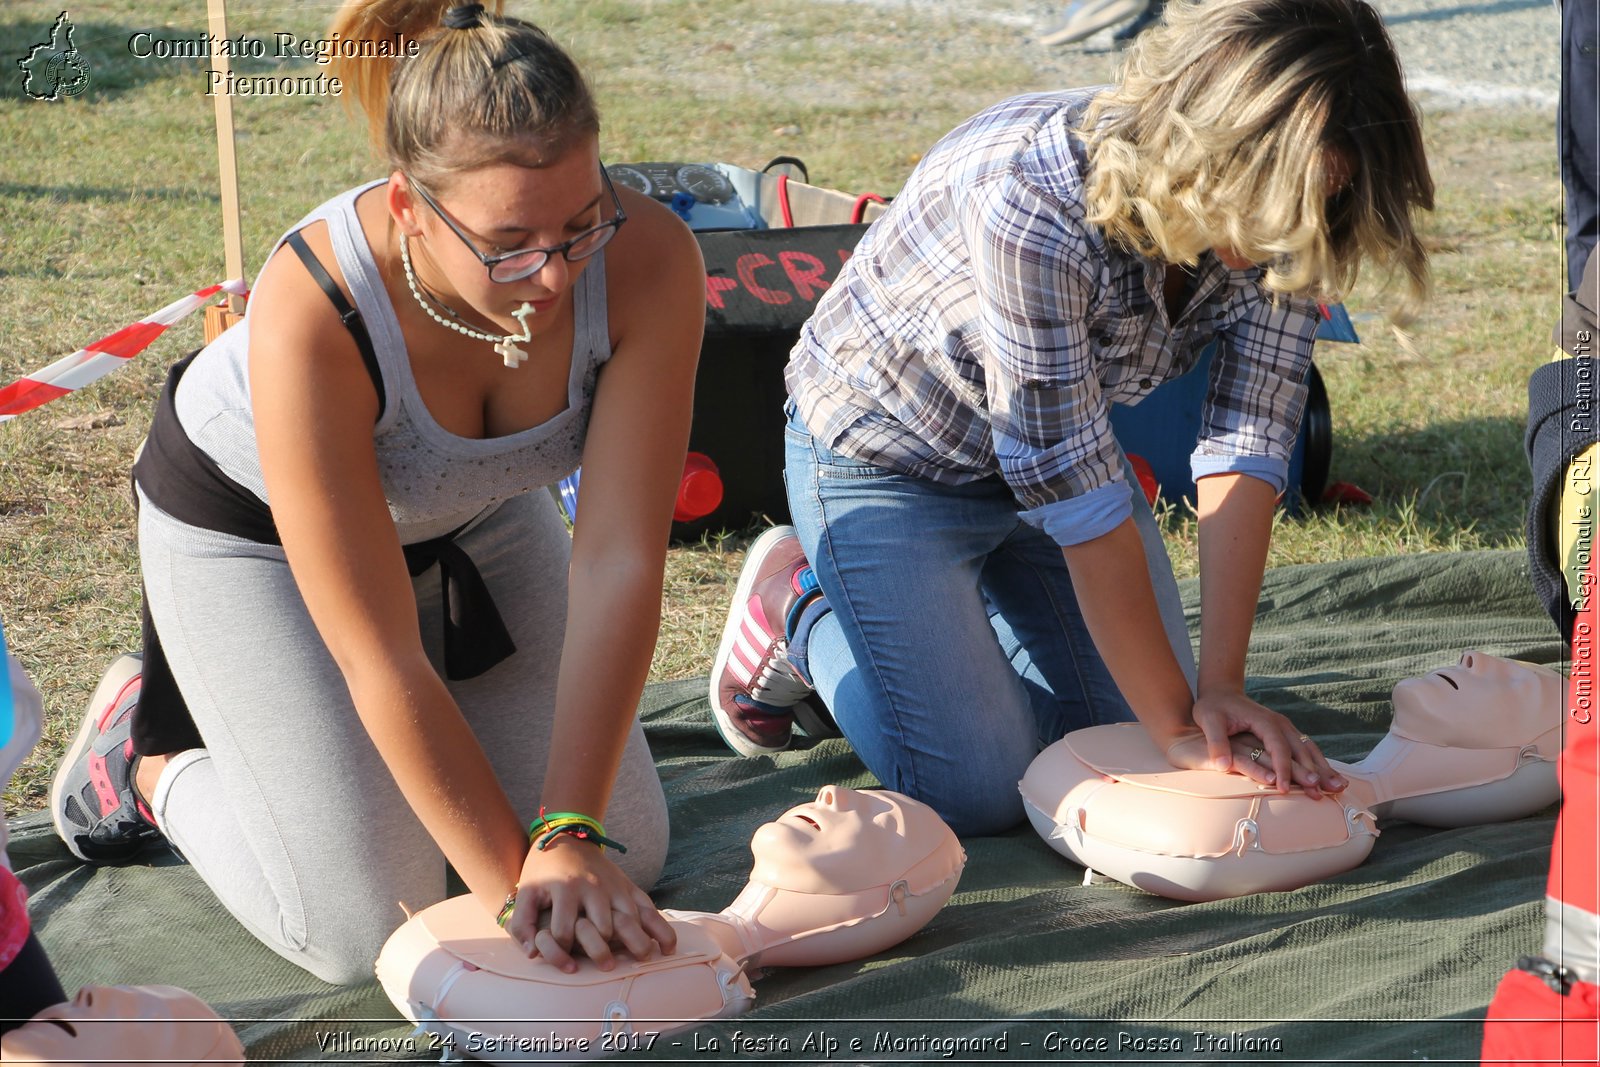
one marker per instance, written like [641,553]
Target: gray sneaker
[92,801]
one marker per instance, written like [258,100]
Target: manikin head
[125,1024]
[848,841]
[1483,701]
[842,877]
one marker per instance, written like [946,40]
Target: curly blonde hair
[482,88]
[1231,122]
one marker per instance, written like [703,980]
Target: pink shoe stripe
[116,702]
[103,790]
[99,778]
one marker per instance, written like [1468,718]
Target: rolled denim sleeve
[1035,278]
[1257,389]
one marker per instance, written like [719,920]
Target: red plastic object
[1345,493]
[1146,476]
[701,489]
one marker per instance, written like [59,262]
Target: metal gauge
[705,184]
[632,177]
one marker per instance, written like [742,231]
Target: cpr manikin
[842,877]
[125,1024]
[1472,743]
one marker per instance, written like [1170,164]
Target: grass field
[109,208]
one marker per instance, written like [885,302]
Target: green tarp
[1391,962]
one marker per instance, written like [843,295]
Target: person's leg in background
[1578,131]
[1147,18]
[1082,19]
[28,985]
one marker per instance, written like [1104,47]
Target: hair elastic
[463,17]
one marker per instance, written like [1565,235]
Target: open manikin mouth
[809,821]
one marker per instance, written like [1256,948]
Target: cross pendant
[514,357]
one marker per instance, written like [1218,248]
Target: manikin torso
[1470,743]
[842,877]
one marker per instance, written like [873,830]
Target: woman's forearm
[1235,530]
[613,618]
[1112,580]
[444,775]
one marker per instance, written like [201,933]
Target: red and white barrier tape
[103,356]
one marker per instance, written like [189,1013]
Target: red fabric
[1147,478]
[1573,858]
[1574,877]
[14,924]
[1529,1022]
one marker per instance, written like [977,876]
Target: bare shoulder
[295,330]
[653,266]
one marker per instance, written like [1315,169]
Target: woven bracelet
[583,833]
[552,819]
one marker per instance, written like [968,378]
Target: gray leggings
[288,813]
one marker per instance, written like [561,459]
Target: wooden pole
[227,172]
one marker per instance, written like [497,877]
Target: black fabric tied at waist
[475,636]
[181,480]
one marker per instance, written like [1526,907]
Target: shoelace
[777,683]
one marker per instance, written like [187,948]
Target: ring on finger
[1304,738]
[1256,754]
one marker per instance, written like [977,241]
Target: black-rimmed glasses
[514,266]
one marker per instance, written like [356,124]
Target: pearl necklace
[505,347]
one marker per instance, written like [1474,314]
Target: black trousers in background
[28,986]
[1578,132]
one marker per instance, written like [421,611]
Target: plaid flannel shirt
[984,326]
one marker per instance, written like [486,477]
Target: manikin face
[1509,699]
[845,841]
[125,1024]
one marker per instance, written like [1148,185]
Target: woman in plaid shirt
[971,575]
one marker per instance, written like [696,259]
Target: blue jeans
[955,649]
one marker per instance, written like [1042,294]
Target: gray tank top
[433,479]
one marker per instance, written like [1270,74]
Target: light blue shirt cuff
[1275,472]
[1083,518]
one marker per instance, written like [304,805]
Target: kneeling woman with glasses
[372,648]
